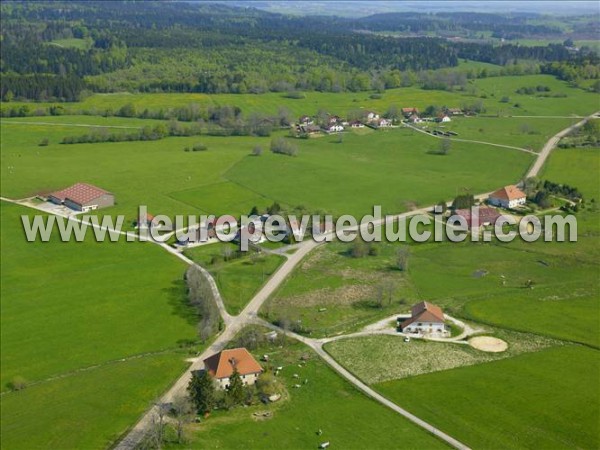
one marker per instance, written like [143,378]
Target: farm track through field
[412,127]
[234,324]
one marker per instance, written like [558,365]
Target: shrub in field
[284,147]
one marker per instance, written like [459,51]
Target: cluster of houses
[412,115]
[307,125]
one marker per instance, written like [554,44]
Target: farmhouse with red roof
[508,197]
[220,366]
[82,197]
[425,319]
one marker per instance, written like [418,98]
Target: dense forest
[63,50]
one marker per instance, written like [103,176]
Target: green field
[70,314]
[388,168]
[566,165]
[90,409]
[528,133]
[239,279]
[80,44]
[375,359]
[325,402]
[577,101]
[547,399]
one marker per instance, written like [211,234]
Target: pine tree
[236,388]
[202,392]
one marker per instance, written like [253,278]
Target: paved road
[552,142]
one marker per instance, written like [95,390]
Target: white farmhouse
[371,116]
[426,319]
[507,197]
[335,128]
[220,366]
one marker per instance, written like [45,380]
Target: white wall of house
[248,380]
[506,203]
[427,328]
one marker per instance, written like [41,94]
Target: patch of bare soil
[488,344]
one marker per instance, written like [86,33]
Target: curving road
[553,142]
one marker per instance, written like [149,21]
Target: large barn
[82,197]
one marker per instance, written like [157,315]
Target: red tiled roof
[486,215]
[424,312]
[79,193]
[220,365]
[508,193]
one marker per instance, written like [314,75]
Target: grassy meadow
[375,359]
[76,315]
[528,133]
[547,399]
[389,168]
[238,279]
[88,409]
[489,90]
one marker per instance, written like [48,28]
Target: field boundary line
[71,124]
[74,372]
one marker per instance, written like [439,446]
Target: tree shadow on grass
[179,302]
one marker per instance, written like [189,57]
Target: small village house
[334,128]
[444,118]
[332,120]
[82,197]
[455,112]
[357,124]
[221,365]
[414,118]
[407,112]
[507,197]
[305,121]
[371,116]
[426,319]
[383,123]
